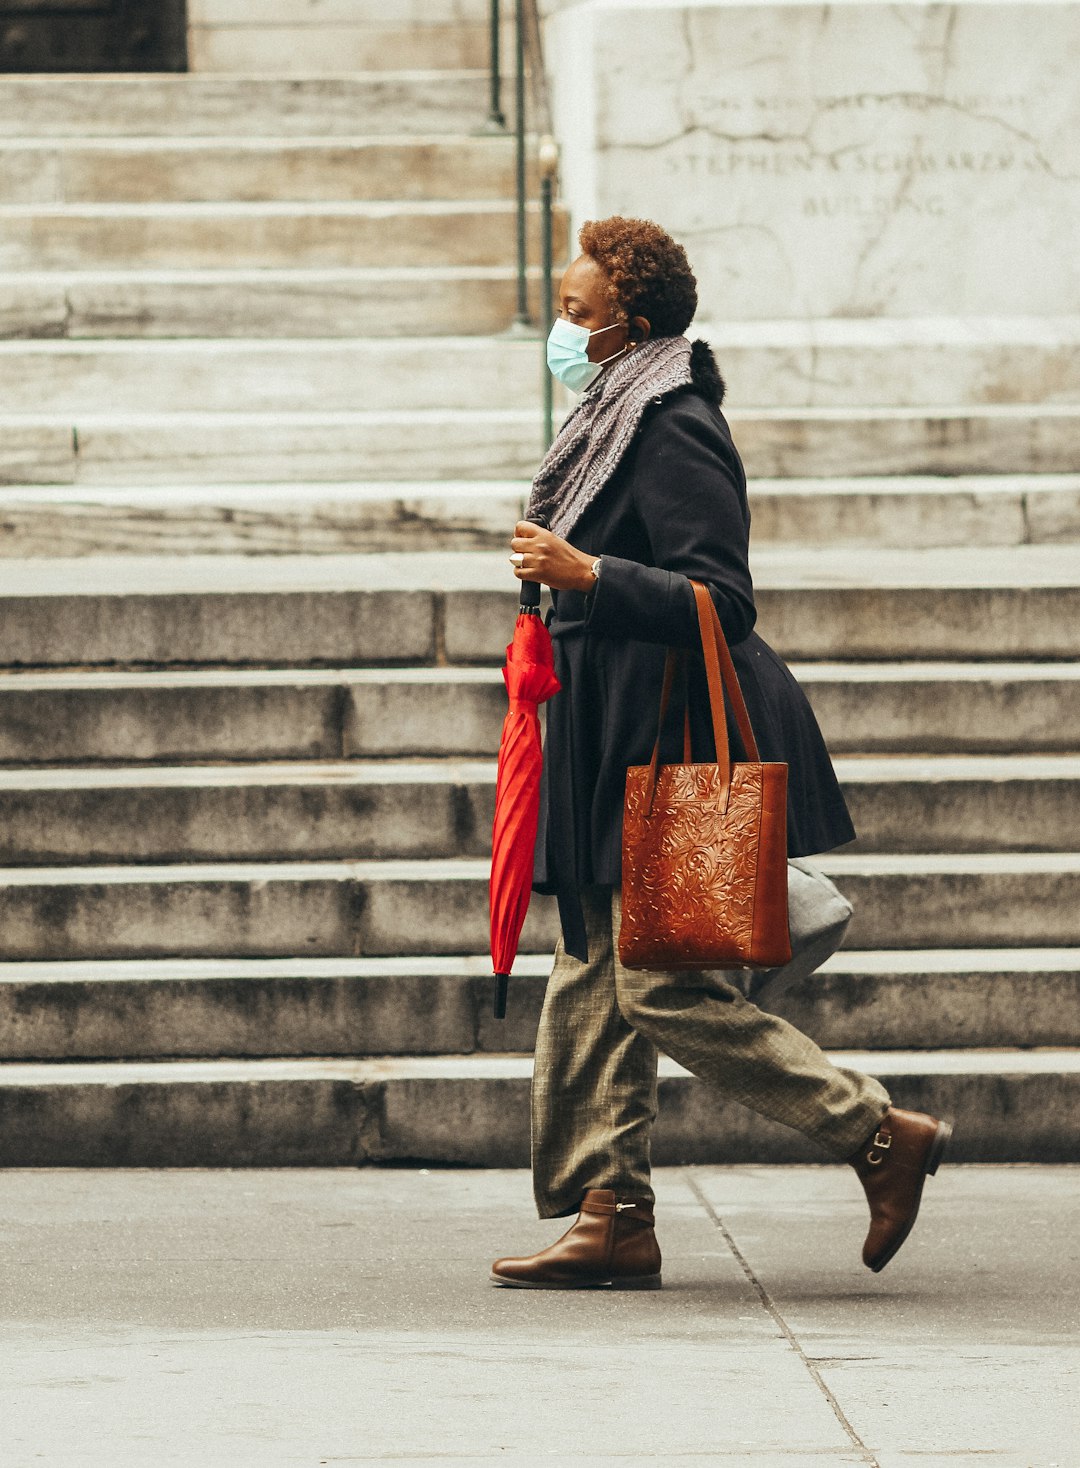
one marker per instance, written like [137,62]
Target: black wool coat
[675,509]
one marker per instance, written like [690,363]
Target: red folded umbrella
[530,681]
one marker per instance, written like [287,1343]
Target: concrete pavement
[251,1319]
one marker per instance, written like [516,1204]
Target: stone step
[972,803]
[386,300]
[1036,361]
[200,448]
[416,13]
[269,812]
[917,512]
[994,603]
[297,714]
[906,708]
[255,170]
[901,363]
[1008,1106]
[812,607]
[371,233]
[78,717]
[103,377]
[822,442]
[387,908]
[338,35]
[498,443]
[242,375]
[376,301]
[392,809]
[307,50]
[344,301]
[264,519]
[322,519]
[193,105]
[140,1009]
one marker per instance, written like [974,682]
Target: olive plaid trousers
[594,1077]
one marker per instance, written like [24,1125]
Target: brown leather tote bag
[704,857]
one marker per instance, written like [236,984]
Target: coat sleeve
[689,491]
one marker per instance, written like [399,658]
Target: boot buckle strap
[883,1141]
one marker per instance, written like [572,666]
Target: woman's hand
[548,559]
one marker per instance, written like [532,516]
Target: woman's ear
[638,330]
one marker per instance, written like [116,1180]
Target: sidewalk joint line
[789,1335]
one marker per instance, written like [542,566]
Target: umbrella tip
[500,995]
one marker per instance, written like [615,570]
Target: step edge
[490,1067]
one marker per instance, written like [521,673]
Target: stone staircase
[245,798]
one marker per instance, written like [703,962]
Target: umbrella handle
[530,590]
[500,995]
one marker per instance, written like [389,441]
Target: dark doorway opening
[93,35]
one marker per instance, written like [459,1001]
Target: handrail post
[495,118]
[522,316]
[549,165]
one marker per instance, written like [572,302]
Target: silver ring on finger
[517,559]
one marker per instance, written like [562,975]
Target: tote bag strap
[721,676]
[676,662]
[706,610]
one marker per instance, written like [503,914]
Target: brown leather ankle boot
[892,1166]
[611,1243]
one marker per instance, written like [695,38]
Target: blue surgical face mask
[568,354]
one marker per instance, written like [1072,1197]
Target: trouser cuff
[551,1206]
[845,1135]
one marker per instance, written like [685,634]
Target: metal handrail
[529,69]
[495,116]
[534,49]
[520,124]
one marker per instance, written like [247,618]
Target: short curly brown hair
[648,272]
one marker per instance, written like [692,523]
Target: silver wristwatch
[595,568]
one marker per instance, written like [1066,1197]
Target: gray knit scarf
[591,443]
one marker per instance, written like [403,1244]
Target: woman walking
[642,492]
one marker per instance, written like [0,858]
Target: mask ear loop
[622,350]
[620,353]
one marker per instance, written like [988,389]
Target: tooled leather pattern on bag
[690,871]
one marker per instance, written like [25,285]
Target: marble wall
[852,159]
